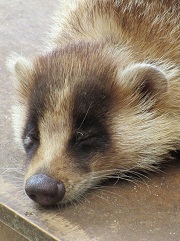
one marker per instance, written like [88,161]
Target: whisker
[103,198]
[104,191]
[85,116]
[13,177]
[20,191]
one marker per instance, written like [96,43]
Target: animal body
[103,99]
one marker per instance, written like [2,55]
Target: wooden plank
[6,233]
[147,209]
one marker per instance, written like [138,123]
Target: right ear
[21,70]
[145,79]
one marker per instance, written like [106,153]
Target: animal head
[83,113]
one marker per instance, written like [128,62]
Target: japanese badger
[103,99]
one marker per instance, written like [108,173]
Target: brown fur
[116,63]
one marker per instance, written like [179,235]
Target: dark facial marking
[175,154]
[30,137]
[39,99]
[91,137]
[90,133]
[37,104]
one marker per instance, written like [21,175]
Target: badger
[102,99]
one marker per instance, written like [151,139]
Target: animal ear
[146,79]
[21,71]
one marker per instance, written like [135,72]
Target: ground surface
[146,211]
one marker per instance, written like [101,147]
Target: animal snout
[44,190]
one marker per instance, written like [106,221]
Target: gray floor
[147,211]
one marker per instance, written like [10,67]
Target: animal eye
[82,137]
[79,136]
[86,141]
[30,141]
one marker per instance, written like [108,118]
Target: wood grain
[147,209]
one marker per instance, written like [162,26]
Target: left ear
[147,79]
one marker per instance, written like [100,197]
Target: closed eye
[79,136]
[85,137]
[88,141]
[31,141]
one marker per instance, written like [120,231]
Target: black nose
[44,190]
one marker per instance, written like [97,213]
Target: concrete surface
[148,210]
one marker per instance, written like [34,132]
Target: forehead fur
[74,61]
[66,70]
